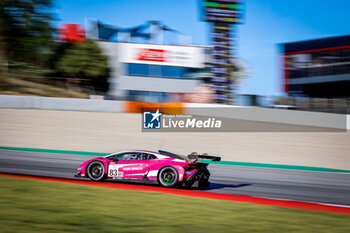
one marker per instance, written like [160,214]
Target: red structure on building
[72,33]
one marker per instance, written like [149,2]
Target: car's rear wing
[194,155]
[176,156]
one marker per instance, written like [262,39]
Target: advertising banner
[165,55]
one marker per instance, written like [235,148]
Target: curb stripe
[193,193]
[246,164]
[71,152]
[279,166]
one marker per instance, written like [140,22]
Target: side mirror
[115,159]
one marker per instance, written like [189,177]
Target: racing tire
[95,171]
[168,177]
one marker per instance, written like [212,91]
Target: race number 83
[115,172]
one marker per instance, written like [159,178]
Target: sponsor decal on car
[132,168]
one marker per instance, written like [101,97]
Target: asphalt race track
[311,186]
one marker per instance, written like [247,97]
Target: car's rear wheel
[168,177]
[96,171]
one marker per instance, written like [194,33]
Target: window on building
[137,70]
[148,96]
[173,71]
[154,71]
[145,70]
[320,63]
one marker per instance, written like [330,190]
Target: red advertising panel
[152,55]
[72,33]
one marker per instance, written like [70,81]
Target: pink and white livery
[162,167]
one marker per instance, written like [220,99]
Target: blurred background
[261,53]
[74,73]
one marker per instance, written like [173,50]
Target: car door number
[114,173]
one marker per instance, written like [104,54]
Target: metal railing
[341,106]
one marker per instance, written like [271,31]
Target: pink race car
[160,167]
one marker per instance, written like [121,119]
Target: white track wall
[50,103]
[317,119]
[294,117]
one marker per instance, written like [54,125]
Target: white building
[153,73]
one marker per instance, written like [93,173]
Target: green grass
[42,206]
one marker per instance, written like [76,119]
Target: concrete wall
[94,105]
[110,49]
[158,84]
[112,132]
[292,117]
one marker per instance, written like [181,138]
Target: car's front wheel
[96,171]
[168,177]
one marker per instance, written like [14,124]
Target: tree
[86,61]
[25,31]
